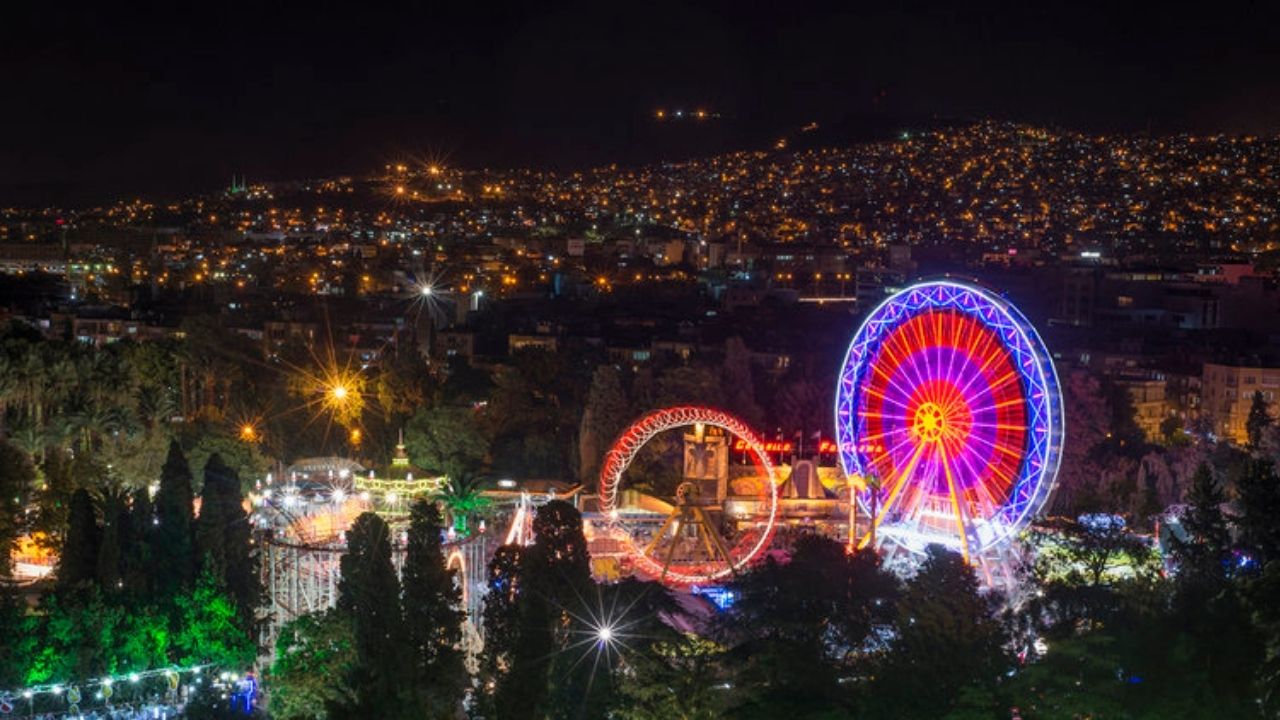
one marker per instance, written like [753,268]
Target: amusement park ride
[949,431]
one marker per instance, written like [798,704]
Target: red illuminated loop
[630,442]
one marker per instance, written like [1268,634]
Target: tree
[791,647]
[501,624]
[1258,421]
[605,415]
[209,629]
[678,677]
[17,477]
[433,620]
[19,644]
[947,640]
[315,654]
[462,497]
[1088,551]
[1259,495]
[224,538]
[738,383]
[1076,679]
[1207,548]
[369,594]
[137,571]
[688,385]
[172,549]
[115,526]
[78,563]
[555,579]
[446,440]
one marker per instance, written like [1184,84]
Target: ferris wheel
[949,414]
[692,537]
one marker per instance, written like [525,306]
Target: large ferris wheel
[948,409]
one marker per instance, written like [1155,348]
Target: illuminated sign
[824,446]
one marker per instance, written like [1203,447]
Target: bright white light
[506,483]
[339,495]
[392,498]
[426,290]
[605,634]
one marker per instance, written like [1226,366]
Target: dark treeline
[1102,631]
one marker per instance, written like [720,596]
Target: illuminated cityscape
[695,362]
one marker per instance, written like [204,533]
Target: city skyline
[115,102]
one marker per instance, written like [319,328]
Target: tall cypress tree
[172,552]
[501,624]
[224,538]
[115,521]
[433,618]
[1206,548]
[556,578]
[1258,421]
[78,563]
[369,594]
[16,479]
[136,541]
[1259,489]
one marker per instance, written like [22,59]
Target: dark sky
[174,97]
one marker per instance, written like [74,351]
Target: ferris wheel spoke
[892,383]
[886,398]
[955,502]
[990,355]
[901,481]
[1011,402]
[980,486]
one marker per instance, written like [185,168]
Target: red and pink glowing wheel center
[756,532]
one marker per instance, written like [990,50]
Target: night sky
[103,101]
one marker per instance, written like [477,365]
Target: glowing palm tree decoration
[462,498]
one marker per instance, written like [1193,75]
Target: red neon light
[824,446]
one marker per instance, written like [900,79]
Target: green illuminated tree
[209,629]
[432,614]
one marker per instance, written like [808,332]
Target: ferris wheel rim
[635,436]
[1038,385]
